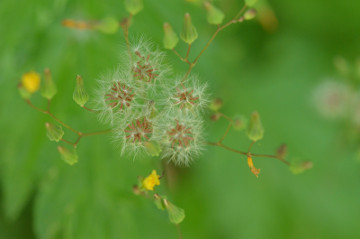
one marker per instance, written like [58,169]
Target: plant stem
[219,144]
[179,231]
[226,132]
[80,134]
[220,28]
[126,34]
[91,110]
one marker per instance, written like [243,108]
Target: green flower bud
[250,3]
[48,89]
[69,156]
[176,214]
[109,25]
[159,202]
[54,132]
[170,38]
[297,167]
[153,148]
[134,6]
[255,130]
[215,117]
[240,122]
[216,104]
[80,95]
[23,92]
[189,33]
[282,151]
[250,14]
[214,15]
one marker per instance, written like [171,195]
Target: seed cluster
[151,109]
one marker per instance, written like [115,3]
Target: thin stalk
[219,144]
[91,110]
[220,28]
[179,231]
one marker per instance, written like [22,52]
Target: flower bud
[80,95]
[134,6]
[214,15]
[159,202]
[48,89]
[255,130]
[23,92]
[176,214]
[215,117]
[250,3]
[282,151]
[30,82]
[69,156]
[189,33]
[216,104]
[109,25]
[297,167]
[54,132]
[153,148]
[240,122]
[250,14]
[170,38]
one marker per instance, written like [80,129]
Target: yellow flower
[151,181]
[254,170]
[31,81]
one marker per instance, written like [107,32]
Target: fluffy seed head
[182,140]
[187,96]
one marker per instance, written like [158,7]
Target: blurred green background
[273,72]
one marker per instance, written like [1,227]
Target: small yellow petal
[151,181]
[254,170]
[31,81]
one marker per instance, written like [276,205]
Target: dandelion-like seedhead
[117,96]
[186,96]
[152,112]
[147,64]
[333,98]
[182,139]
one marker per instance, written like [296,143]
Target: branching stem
[80,134]
[221,145]
[219,29]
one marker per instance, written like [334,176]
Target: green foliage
[260,70]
